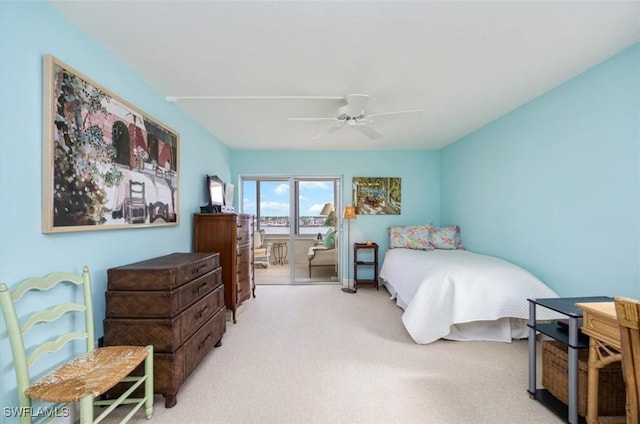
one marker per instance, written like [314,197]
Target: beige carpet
[281,274]
[314,354]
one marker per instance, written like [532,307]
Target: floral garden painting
[377,196]
[106,164]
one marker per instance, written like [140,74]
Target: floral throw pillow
[410,237]
[445,238]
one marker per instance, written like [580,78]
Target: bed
[460,295]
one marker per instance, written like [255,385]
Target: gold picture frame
[106,164]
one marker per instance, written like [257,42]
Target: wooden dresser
[231,236]
[174,302]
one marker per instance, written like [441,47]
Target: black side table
[571,338]
[361,261]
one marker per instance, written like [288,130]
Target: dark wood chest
[230,235]
[173,302]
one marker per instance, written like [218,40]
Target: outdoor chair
[261,250]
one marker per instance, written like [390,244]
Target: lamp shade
[349,212]
[327,208]
[331,220]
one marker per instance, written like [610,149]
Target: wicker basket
[555,378]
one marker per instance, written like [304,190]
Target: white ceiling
[464,63]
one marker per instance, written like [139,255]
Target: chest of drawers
[230,235]
[174,302]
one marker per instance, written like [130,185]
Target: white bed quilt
[441,291]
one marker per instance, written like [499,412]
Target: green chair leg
[148,384]
[86,410]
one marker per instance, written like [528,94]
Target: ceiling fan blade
[398,112]
[174,99]
[368,131]
[329,131]
[356,104]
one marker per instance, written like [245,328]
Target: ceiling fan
[353,115]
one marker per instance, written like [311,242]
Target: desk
[565,307]
[600,323]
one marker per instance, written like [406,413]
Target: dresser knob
[197,270]
[199,288]
[198,314]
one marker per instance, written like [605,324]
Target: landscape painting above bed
[448,292]
[377,196]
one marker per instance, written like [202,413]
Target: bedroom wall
[418,170]
[554,186]
[27,31]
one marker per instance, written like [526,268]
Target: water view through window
[270,201]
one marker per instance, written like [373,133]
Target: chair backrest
[136,190]
[628,312]
[25,356]
[258,239]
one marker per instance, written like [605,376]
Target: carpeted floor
[281,274]
[314,354]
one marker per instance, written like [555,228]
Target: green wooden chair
[84,379]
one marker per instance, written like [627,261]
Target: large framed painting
[377,196]
[106,164]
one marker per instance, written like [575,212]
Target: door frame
[293,205]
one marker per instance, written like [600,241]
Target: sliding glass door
[297,225]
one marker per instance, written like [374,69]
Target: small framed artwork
[106,164]
[377,195]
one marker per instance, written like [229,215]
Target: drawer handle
[199,288]
[198,314]
[202,343]
[197,270]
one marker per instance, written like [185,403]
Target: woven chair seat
[91,374]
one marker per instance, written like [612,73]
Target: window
[270,200]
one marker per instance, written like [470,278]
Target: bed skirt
[501,330]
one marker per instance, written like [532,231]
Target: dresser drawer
[141,304]
[243,266]
[160,303]
[194,290]
[168,372]
[163,273]
[204,309]
[204,340]
[143,331]
[243,228]
[166,335]
[244,289]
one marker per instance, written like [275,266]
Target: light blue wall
[417,169]
[555,185]
[27,31]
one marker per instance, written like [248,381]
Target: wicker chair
[83,379]
[628,312]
